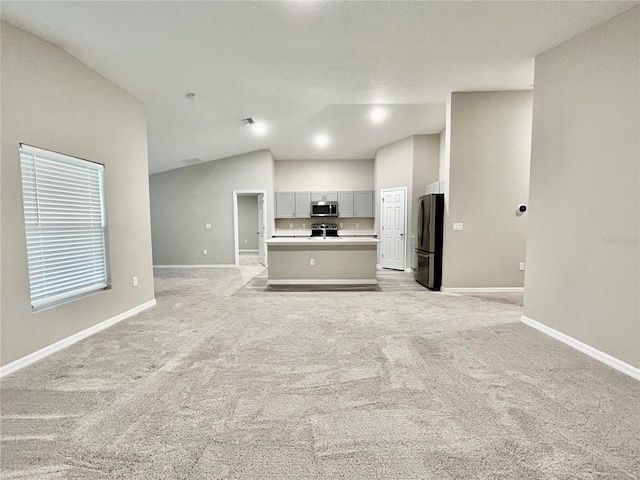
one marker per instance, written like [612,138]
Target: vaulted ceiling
[304,68]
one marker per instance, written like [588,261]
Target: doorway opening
[250,221]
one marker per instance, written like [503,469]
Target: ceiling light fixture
[322,140]
[247,121]
[378,114]
[191,96]
[259,128]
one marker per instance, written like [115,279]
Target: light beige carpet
[223,381]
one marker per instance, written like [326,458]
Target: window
[65,223]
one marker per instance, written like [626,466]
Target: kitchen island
[322,261]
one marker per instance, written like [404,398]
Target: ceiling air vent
[247,121]
[193,161]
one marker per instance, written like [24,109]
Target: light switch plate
[135,281]
[207,226]
[457,226]
[521,266]
[204,252]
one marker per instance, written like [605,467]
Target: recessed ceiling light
[378,114]
[259,128]
[191,95]
[322,140]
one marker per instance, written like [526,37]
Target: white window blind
[65,224]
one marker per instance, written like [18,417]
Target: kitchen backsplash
[365,223]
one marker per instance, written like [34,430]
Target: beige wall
[443,164]
[248,222]
[583,258]
[184,200]
[51,100]
[320,175]
[393,168]
[413,163]
[426,153]
[489,156]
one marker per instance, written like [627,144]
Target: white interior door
[393,228]
[262,248]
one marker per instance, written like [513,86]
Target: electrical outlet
[204,252]
[457,226]
[207,226]
[291,225]
[135,281]
[245,240]
[304,225]
[521,266]
[341,225]
[312,261]
[357,225]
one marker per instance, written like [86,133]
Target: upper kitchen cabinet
[285,205]
[350,204]
[293,204]
[345,204]
[303,205]
[324,196]
[363,204]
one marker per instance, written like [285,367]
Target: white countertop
[322,241]
[307,233]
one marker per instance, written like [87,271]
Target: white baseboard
[605,358]
[406,270]
[340,281]
[483,290]
[16,365]
[224,265]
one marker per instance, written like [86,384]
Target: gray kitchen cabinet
[298,204]
[303,204]
[331,196]
[345,204]
[363,204]
[285,205]
[324,196]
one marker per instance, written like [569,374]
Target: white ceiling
[302,67]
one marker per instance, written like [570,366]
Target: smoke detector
[247,121]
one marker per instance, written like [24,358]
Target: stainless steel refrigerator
[429,240]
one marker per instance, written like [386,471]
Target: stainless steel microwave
[324,209]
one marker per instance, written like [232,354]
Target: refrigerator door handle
[420,223]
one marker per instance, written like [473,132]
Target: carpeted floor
[221,380]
